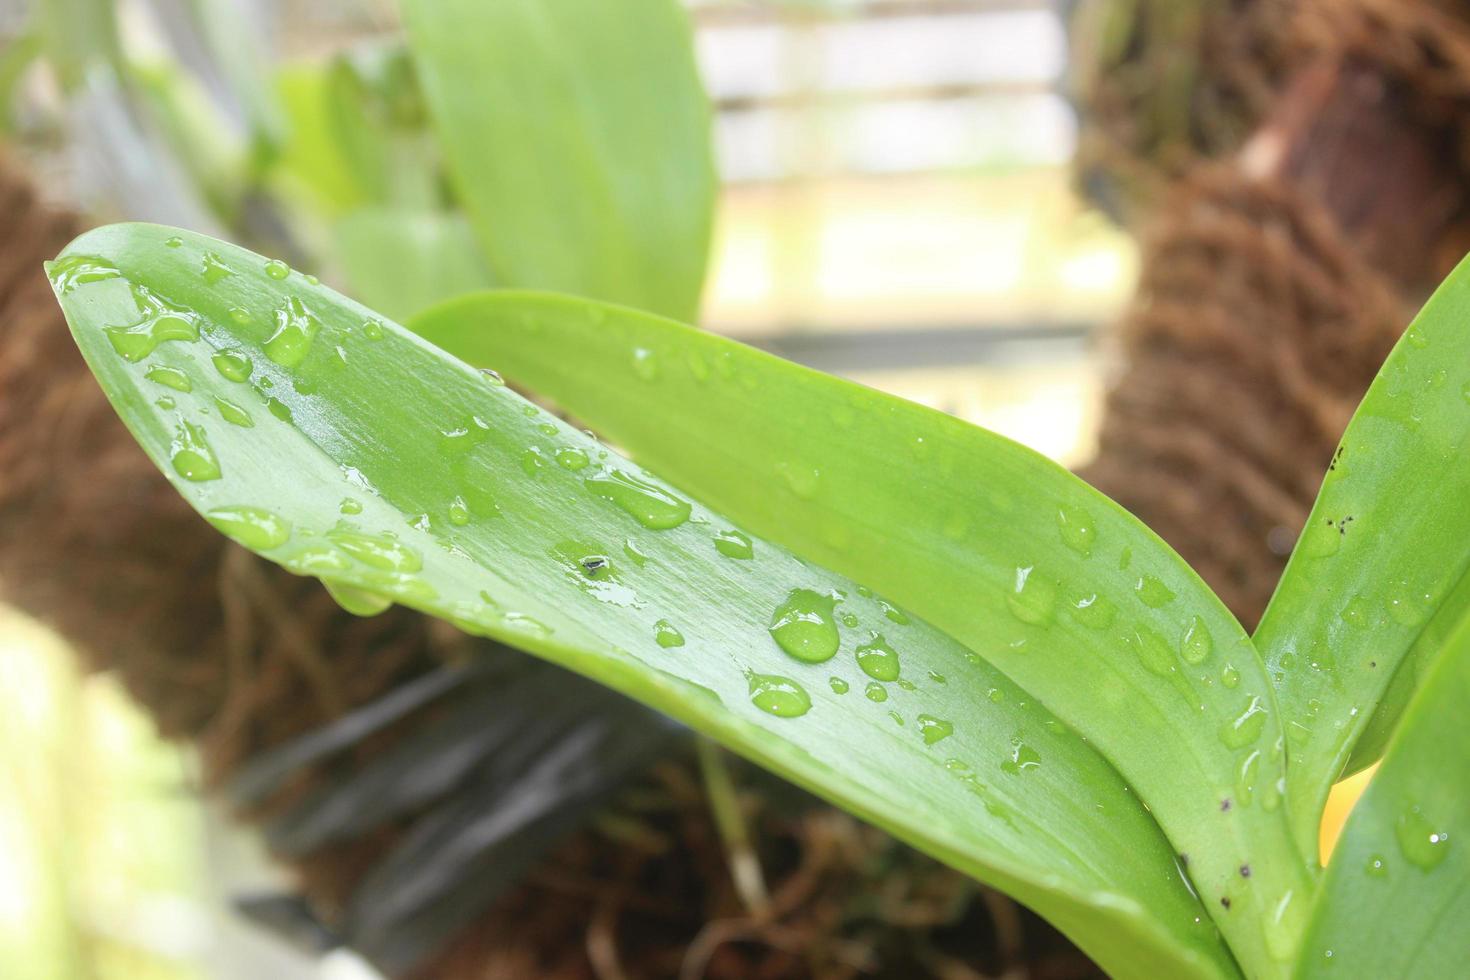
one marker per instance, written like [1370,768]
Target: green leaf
[373,460]
[1002,549]
[1397,891]
[1382,555]
[400,261]
[578,137]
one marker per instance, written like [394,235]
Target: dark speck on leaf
[1245,871]
[1225,901]
[1224,804]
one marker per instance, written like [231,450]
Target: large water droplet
[191,454]
[214,268]
[380,551]
[803,626]
[667,634]
[295,328]
[277,269]
[875,692]
[571,458]
[1423,843]
[777,695]
[733,544]
[934,729]
[358,602]
[255,527]
[648,504]
[161,321]
[68,273]
[1077,530]
[169,378]
[1196,644]
[232,364]
[1246,727]
[232,413]
[1033,597]
[877,659]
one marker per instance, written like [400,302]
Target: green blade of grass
[341,446]
[999,547]
[1397,891]
[584,158]
[1382,558]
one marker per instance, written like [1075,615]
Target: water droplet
[173,241]
[232,364]
[849,620]
[1246,727]
[1245,779]
[532,461]
[240,315]
[214,268]
[161,321]
[875,692]
[996,695]
[372,329]
[254,527]
[191,455]
[459,512]
[277,269]
[1376,867]
[803,626]
[68,273]
[838,685]
[803,480]
[667,634]
[645,364]
[1229,676]
[934,729]
[777,695]
[350,506]
[1358,612]
[1403,605]
[894,613]
[358,602]
[547,429]
[937,677]
[1153,651]
[169,378]
[312,280]
[648,504]
[571,458]
[877,659]
[380,551]
[279,409]
[316,559]
[905,684]
[1032,598]
[1415,336]
[1077,529]
[1423,843]
[1094,611]
[1196,645]
[493,377]
[734,544]
[1283,927]
[233,414]
[1152,592]
[166,403]
[295,328]
[1023,757]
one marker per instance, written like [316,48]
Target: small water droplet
[893,613]
[233,414]
[214,268]
[645,364]
[1033,597]
[1422,842]
[312,280]
[279,409]
[803,626]
[1403,604]
[350,506]
[996,695]
[232,364]
[1376,867]
[169,378]
[650,505]
[875,692]
[532,461]
[173,241]
[1229,676]
[934,729]
[1153,651]
[1358,612]
[1246,727]
[166,403]
[240,315]
[1245,778]
[493,377]
[296,326]
[277,269]
[877,659]
[1152,592]
[734,544]
[254,527]
[777,695]
[372,329]
[571,458]
[191,454]
[838,685]
[667,634]
[459,512]
[1077,530]
[1023,757]
[1196,645]
[849,620]
[803,480]
[1094,611]
[381,551]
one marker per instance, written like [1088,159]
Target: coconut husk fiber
[232,654]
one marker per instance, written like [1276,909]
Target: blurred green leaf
[578,137]
[402,261]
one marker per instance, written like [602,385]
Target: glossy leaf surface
[1397,891]
[584,158]
[1004,550]
[341,446]
[1382,558]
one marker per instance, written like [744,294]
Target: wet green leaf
[1002,549]
[382,465]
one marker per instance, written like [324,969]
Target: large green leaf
[579,140]
[341,446]
[1382,556]
[999,547]
[400,261]
[1397,891]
